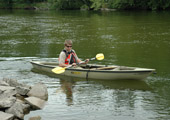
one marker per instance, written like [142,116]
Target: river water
[126,38]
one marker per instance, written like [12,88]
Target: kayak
[94,71]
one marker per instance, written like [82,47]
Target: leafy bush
[140,4]
[66,4]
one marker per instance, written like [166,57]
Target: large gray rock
[14,83]
[11,82]
[6,116]
[13,102]
[3,83]
[22,90]
[7,102]
[8,93]
[18,109]
[35,102]
[39,90]
[7,98]
[5,88]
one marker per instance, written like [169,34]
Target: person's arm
[79,61]
[62,58]
[63,65]
[83,62]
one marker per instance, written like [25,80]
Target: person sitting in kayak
[68,56]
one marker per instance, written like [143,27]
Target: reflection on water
[122,92]
[67,87]
[68,84]
[124,84]
[93,95]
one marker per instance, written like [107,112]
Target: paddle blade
[58,70]
[100,56]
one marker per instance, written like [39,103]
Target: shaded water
[126,38]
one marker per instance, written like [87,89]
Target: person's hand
[74,64]
[86,61]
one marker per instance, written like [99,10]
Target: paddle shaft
[86,60]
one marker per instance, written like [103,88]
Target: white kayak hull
[91,71]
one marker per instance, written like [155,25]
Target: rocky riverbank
[18,99]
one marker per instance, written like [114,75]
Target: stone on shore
[22,90]
[11,82]
[7,102]
[14,100]
[18,109]
[35,102]
[39,90]
[7,92]
[5,88]
[7,98]
[3,83]
[6,116]
[14,83]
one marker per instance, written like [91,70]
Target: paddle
[59,70]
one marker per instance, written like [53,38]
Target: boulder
[14,105]
[7,98]
[11,82]
[3,83]
[7,102]
[18,109]
[6,116]
[14,83]
[8,93]
[22,90]
[5,88]
[39,90]
[35,102]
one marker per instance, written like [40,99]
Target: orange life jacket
[70,57]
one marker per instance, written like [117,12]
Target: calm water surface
[126,38]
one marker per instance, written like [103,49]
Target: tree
[66,4]
[97,4]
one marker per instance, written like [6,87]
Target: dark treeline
[88,4]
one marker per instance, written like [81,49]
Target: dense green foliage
[89,4]
[140,4]
[66,4]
